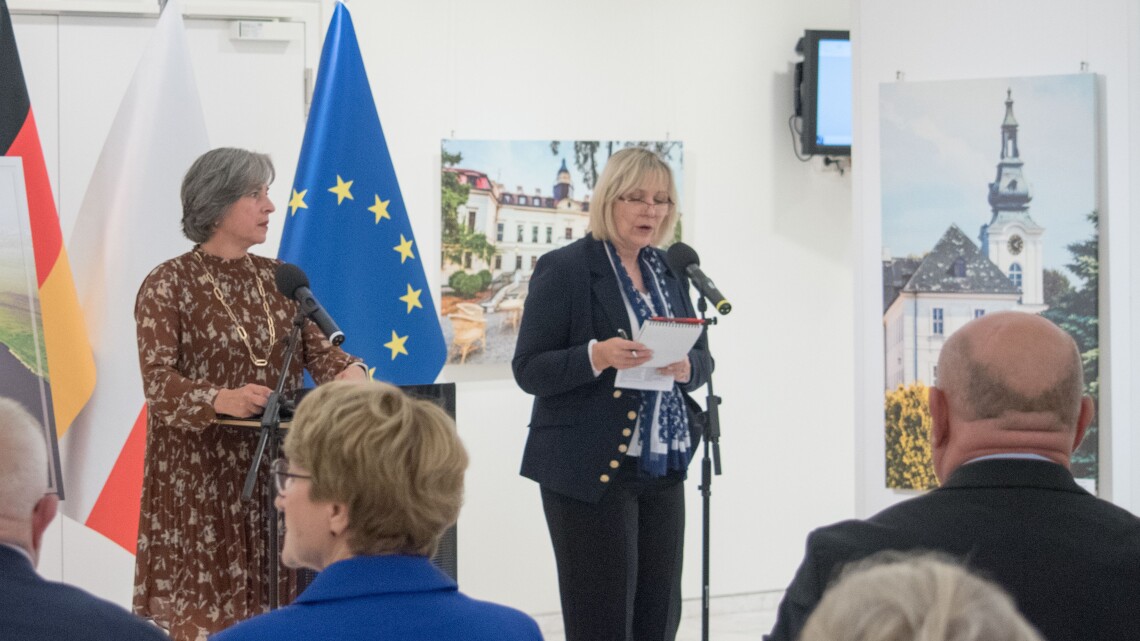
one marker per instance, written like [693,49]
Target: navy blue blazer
[34,609]
[579,421]
[1071,561]
[385,597]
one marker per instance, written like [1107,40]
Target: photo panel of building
[989,204]
[505,203]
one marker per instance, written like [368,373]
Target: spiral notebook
[670,339]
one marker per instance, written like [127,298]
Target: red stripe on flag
[116,512]
[46,236]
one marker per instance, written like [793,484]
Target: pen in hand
[621,332]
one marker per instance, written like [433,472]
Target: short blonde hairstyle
[395,461]
[902,597]
[23,461]
[626,170]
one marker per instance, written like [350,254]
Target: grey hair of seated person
[23,461]
[910,597]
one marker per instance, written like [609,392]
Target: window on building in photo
[1015,275]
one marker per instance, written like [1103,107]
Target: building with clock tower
[1012,240]
[927,298]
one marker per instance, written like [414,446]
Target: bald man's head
[1013,363]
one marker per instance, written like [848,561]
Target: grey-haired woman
[211,329]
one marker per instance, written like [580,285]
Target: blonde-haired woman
[610,462]
[371,479]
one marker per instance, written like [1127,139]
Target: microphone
[683,259]
[293,282]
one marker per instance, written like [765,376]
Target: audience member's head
[25,510]
[1007,382]
[898,597]
[371,471]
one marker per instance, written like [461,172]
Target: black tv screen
[824,93]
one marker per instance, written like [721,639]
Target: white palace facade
[522,226]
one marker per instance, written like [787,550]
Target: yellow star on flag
[297,201]
[405,249]
[371,373]
[397,345]
[342,190]
[380,209]
[412,298]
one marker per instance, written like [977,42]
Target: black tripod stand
[710,463]
[271,437]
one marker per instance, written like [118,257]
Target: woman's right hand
[619,353]
[243,402]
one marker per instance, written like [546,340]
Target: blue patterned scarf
[664,427]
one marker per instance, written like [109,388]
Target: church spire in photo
[1012,239]
[1010,191]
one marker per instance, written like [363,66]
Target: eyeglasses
[282,476]
[643,205]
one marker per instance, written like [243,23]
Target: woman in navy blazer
[610,461]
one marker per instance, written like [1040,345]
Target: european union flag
[348,229]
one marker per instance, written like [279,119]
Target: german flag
[71,366]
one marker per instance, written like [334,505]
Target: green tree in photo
[586,153]
[456,239]
[452,195]
[1075,311]
[466,242]
[907,433]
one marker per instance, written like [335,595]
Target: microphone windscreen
[289,277]
[679,256]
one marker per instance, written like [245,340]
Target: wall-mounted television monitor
[823,93]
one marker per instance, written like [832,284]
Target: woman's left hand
[681,371]
[353,372]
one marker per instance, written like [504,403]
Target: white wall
[776,234]
[980,39]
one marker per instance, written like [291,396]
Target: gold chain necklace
[259,362]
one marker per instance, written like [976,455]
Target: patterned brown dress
[201,563]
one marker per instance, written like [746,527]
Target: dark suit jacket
[385,597]
[32,609]
[578,421]
[1071,561]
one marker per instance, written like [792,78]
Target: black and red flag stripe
[19,137]
[70,364]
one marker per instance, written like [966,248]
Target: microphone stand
[711,421]
[271,436]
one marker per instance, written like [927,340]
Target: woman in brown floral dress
[211,337]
